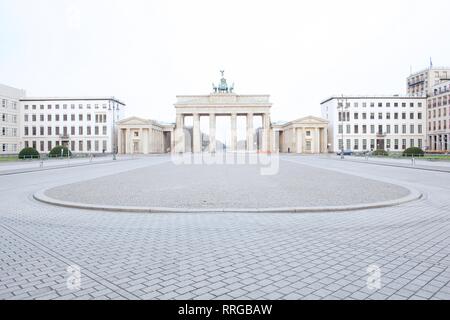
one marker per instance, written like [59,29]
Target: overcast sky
[147,52]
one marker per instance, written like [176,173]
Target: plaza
[228,255]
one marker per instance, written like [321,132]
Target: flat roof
[373,97]
[41,99]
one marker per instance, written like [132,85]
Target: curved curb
[413,195]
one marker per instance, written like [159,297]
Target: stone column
[299,137]
[141,142]
[119,141]
[196,134]
[249,131]
[212,133]
[179,134]
[128,141]
[233,132]
[316,140]
[325,140]
[265,135]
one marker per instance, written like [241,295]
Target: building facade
[141,136]
[438,114]
[84,125]
[304,135]
[367,123]
[10,142]
[422,83]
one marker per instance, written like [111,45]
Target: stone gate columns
[128,141]
[179,134]
[249,131]
[212,133]
[233,132]
[197,144]
[300,139]
[265,132]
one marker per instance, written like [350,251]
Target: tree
[60,151]
[29,153]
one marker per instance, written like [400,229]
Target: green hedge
[380,153]
[56,152]
[414,151]
[29,153]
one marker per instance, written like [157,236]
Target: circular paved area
[228,186]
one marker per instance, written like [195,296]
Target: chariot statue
[223,86]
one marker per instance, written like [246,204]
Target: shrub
[380,152]
[56,152]
[29,153]
[414,151]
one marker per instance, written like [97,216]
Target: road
[229,255]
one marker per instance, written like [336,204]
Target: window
[419,115]
[404,116]
[364,144]
[308,133]
[72,145]
[372,116]
[395,116]
[25,117]
[372,144]
[72,117]
[104,146]
[396,128]
[372,129]
[49,131]
[348,143]
[96,131]
[26,131]
[80,146]
[355,116]
[364,116]
[41,131]
[33,117]
[88,116]
[380,116]
[340,129]
[88,143]
[411,115]
[364,129]
[419,128]
[41,118]
[49,145]
[64,117]
[72,131]
[356,144]
[348,129]
[396,144]
[411,143]
[80,130]
[395,104]
[388,116]
[49,107]
[404,128]
[341,145]
[56,117]
[49,117]
[356,129]
[411,129]
[80,117]
[388,129]
[96,145]
[380,104]
[403,144]
[419,143]
[388,143]
[41,145]
[88,130]
[57,131]
[403,104]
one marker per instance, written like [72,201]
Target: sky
[146,52]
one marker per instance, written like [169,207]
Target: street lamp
[341,101]
[114,108]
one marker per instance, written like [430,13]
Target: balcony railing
[64,137]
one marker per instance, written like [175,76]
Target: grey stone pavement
[228,186]
[228,255]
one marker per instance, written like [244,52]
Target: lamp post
[341,101]
[114,108]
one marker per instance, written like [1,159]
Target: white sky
[146,52]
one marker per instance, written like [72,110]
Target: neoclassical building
[248,127]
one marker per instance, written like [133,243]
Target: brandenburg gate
[222,102]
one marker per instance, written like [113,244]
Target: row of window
[99,118]
[380,129]
[437,113]
[8,132]
[438,125]
[12,118]
[75,146]
[373,144]
[345,116]
[379,104]
[9,104]
[33,131]
[8,148]
[438,102]
[65,106]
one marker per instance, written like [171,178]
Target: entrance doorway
[380,144]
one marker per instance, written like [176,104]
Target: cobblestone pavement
[228,186]
[225,256]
